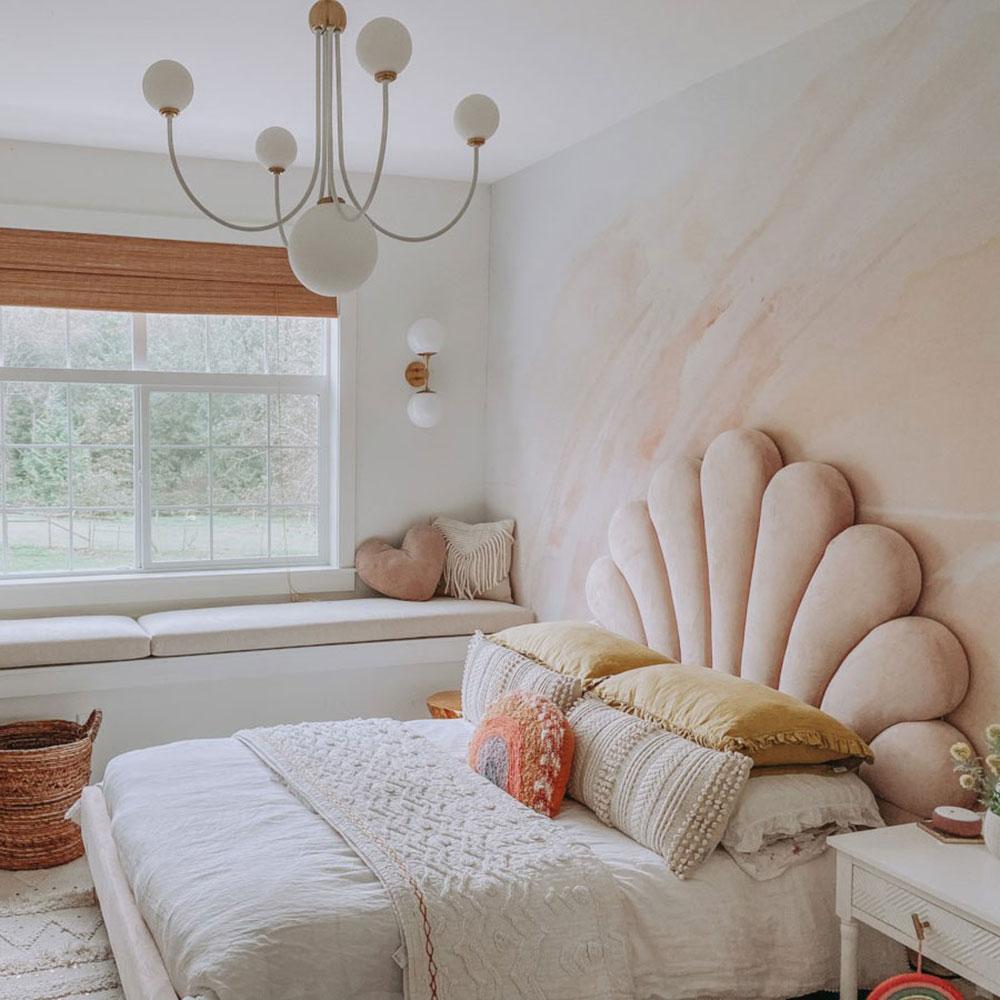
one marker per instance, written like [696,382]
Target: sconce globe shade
[426,336]
[332,250]
[167,84]
[276,147]
[476,117]
[384,46]
[425,409]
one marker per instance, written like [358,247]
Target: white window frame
[161,585]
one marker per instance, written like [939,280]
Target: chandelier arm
[277,209]
[383,142]
[322,121]
[445,228]
[185,187]
[329,170]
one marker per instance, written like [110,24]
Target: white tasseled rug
[52,940]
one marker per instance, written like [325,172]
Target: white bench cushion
[320,623]
[35,642]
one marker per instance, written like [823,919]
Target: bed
[218,883]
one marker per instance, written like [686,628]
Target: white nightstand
[886,876]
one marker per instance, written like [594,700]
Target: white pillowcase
[783,820]
[776,857]
[785,805]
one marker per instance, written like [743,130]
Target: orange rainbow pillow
[524,745]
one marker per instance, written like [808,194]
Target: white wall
[403,473]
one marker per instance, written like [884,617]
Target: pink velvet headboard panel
[743,564]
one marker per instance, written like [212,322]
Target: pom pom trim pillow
[731,713]
[662,790]
[491,671]
[578,649]
[524,745]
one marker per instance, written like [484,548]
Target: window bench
[207,672]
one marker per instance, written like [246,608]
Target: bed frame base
[140,966]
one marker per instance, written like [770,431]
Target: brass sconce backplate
[416,374]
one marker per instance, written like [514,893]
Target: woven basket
[43,768]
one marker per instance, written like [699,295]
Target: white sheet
[251,896]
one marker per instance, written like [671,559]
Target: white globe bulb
[476,117]
[425,409]
[426,336]
[167,84]
[331,251]
[276,148]
[384,46]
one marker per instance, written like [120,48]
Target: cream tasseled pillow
[477,563]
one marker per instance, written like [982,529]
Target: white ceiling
[561,70]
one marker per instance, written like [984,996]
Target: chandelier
[332,247]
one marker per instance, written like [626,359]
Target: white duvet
[249,895]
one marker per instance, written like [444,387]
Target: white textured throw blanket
[494,901]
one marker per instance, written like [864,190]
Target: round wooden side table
[445,705]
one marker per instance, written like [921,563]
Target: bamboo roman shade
[129,274]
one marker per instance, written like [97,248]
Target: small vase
[991,832]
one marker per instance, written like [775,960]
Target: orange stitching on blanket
[432,969]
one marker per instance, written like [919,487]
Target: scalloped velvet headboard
[747,565]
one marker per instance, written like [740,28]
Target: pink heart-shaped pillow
[412,572]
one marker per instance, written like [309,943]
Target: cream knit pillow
[662,790]
[492,671]
[478,558]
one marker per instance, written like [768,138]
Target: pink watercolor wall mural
[808,244]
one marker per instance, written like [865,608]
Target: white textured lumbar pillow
[477,563]
[662,790]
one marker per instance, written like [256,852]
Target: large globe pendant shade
[332,249]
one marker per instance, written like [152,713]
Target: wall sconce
[425,408]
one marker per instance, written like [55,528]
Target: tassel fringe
[478,556]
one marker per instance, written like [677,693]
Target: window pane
[176,343]
[239,533]
[34,413]
[299,346]
[102,477]
[178,418]
[100,340]
[37,542]
[102,414]
[103,540]
[238,343]
[295,420]
[33,338]
[37,477]
[239,418]
[179,477]
[180,535]
[239,475]
[294,532]
[294,476]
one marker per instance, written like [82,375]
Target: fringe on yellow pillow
[724,712]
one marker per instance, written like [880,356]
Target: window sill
[136,593]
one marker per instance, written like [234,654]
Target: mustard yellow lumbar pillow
[578,648]
[717,710]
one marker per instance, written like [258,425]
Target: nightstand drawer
[948,937]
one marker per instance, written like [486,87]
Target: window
[149,442]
